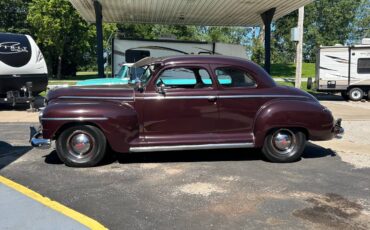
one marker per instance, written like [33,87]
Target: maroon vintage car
[184,103]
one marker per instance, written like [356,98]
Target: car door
[180,106]
[238,102]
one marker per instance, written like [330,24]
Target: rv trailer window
[363,65]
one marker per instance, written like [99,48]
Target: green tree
[283,49]
[362,21]
[13,14]
[60,31]
[327,22]
[235,35]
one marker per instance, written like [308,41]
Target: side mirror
[138,86]
[162,89]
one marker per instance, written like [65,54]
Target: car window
[147,74]
[122,72]
[232,77]
[136,73]
[184,78]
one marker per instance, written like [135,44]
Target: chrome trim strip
[191,147]
[97,98]
[74,118]
[261,96]
[176,97]
[219,96]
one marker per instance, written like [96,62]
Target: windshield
[147,74]
[122,73]
[136,73]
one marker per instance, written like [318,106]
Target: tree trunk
[59,70]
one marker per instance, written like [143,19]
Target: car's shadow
[328,97]
[311,151]
[10,153]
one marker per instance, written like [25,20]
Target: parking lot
[218,189]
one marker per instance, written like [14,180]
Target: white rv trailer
[344,69]
[23,70]
[132,50]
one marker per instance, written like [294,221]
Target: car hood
[103,81]
[93,92]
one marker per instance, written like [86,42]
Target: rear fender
[309,116]
[118,121]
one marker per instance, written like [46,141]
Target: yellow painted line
[81,218]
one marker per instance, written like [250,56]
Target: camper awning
[187,12]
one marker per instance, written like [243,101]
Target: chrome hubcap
[283,141]
[79,145]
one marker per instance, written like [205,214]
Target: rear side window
[363,65]
[232,77]
[184,78]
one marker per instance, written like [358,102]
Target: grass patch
[288,70]
[303,86]
[62,82]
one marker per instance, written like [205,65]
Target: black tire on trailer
[344,94]
[284,145]
[309,83]
[81,146]
[356,94]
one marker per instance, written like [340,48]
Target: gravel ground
[354,147]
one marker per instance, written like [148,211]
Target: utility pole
[298,71]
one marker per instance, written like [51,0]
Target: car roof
[188,59]
[263,77]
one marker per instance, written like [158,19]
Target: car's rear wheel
[284,145]
[81,146]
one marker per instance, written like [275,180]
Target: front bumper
[338,129]
[36,139]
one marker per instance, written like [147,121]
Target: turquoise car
[121,78]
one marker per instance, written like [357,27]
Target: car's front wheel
[284,145]
[81,146]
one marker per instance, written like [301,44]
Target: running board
[191,147]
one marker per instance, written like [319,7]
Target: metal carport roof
[187,12]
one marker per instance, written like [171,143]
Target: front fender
[307,115]
[118,121]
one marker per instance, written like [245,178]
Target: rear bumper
[338,130]
[36,139]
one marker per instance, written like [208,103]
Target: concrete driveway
[220,189]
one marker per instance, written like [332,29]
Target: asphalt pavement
[218,189]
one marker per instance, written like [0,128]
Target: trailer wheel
[344,94]
[356,94]
[309,83]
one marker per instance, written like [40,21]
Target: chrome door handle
[212,98]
